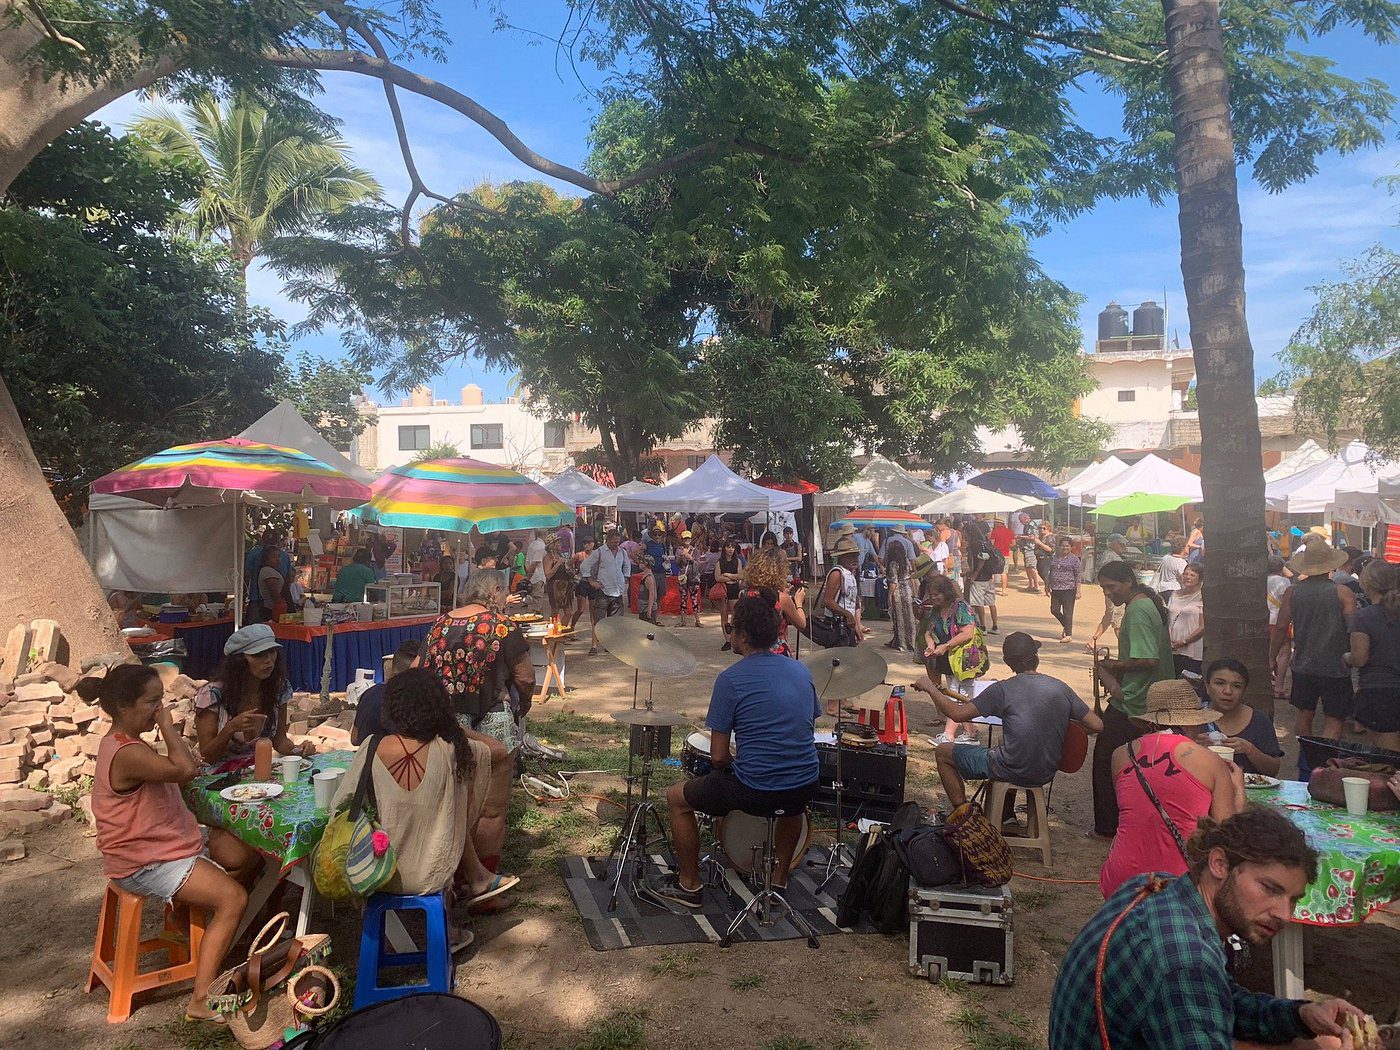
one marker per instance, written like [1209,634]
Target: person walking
[1169,568]
[948,623]
[688,578]
[984,565]
[728,574]
[1144,657]
[1062,579]
[1318,611]
[898,557]
[1187,621]
[1003,538]
[604,580]
[840,599]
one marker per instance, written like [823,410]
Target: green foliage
[119,339]
[682,965]
[619,1030]
[323,392]
[746,981]
[1341,362]
[437,450]
[261,173]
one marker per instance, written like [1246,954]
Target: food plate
[526,618]
[1259,780]
[256,792]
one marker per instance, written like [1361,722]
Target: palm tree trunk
[1212,267]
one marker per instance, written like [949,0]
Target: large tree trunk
[43,572]
[35,110]
[1212,266]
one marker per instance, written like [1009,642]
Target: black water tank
[1149,319]
[1113,321]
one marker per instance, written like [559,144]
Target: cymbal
[644,717]
[844,672]
[646,647]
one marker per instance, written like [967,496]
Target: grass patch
[1034,898]
[619,1030]
[682,965]
[995,1039]
[1017,1020]
[745,981]
[855,1016]
[787,1042]
[561,722]
[192,1036]
[971,1020]
[951,985]
[69,794]
[850,1041]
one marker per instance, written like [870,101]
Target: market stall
[880,483]
[1352,469]
[575,488]
[1149,474]
[1085,481]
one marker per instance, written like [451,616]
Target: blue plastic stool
[374,957]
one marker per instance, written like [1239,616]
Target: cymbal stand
[632,837]
[841,855]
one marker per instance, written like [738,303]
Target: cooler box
[962,932]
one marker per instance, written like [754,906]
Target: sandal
[499,884]
[218,1019]
[459,938]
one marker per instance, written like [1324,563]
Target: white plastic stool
[1037,836]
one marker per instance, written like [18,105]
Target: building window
[1127,395]
[554,435]
[488,435]
[413,439]
[694,461]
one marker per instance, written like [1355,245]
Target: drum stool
[762,905]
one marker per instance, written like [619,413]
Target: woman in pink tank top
[1188,781]
[150,843]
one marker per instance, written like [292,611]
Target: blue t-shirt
[769,703]
[657,553]
[369,717]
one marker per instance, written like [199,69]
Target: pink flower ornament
[379,843]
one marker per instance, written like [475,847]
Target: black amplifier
[873,778]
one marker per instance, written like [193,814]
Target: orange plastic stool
[116,955]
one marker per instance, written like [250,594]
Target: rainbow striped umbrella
[452,495]
[881,517]
[234,470]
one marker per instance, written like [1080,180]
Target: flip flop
[465,939]
[499,884]
[218,1019]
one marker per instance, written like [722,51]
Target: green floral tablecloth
[1359,864]
[285,828]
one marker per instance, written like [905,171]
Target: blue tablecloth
[349,651]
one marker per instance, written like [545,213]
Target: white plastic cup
[291,769]
[324,784]
[1358,792]
[1227,753]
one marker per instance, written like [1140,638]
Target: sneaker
[967,738]
[942,738]
[593,650]
[726,648]
[669,888]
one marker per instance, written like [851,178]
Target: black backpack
[879,885]
[996,561]
[425,1021]
[930,860]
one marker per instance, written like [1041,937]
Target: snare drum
[695,755]
[742,836]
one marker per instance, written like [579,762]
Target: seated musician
[769,703]
[1035,711]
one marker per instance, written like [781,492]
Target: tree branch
[51,30]
[1049,38]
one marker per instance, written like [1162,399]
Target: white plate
[1270,782]
[138,632]
[270,791]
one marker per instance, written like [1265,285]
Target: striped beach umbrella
[881,517]
[234,470]
[452,495]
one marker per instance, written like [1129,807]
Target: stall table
[204,642]
[354,645]
[1358,872]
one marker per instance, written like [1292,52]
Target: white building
[503,432]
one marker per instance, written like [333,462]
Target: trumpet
[1101,652]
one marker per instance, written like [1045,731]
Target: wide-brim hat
[1316,559]
[899,530]
[845,545]
[1176,703]
[923,565]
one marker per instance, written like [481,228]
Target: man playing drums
[769,703]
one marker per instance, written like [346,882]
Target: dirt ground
[532,966]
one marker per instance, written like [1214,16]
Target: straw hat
[1317,559]
[846,529]
[899,530]
[1176,703]
[845,545]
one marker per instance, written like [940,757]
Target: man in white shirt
[534,570]
[605,573]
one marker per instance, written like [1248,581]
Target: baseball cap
[1018,645]
[251,640]
[686,535]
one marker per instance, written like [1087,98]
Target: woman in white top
[1187,621]
[1169,569]
[841,593]
[429,784]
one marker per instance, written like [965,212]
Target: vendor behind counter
[351,581]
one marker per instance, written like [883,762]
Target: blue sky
[1124,250]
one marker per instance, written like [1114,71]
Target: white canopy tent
[576,488]
[1309,491]
[1149,474]
[612,496]
[680,477]
[974,500]
[133,545]
[879,484]
[1086,479]
[712,488]
[1308,454]
[284,426]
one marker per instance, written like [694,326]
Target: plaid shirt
[1166,983]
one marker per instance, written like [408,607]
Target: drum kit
[838,674]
